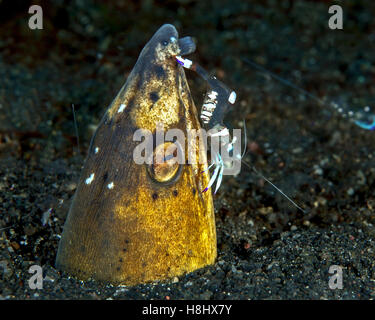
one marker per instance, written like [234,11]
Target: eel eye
[165,166]
[164,43]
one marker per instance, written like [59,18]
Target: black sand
[267,248]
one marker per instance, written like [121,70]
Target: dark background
[267,248]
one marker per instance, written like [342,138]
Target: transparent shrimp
[362,117]
[215,106]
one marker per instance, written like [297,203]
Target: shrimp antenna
[356,117]
[76,127]
[6,228]
[245,136]
[262,176]
[282,80]
[273,185]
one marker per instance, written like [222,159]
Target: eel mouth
[187,46]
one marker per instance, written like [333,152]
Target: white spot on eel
[90,178]
[110,185]
[97,149]
[121,108]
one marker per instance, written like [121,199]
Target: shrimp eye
[164,43]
